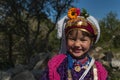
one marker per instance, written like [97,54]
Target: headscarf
[76,19]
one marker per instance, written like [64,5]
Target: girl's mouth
[77,50]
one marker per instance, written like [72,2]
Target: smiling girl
[78,43]
[79,33]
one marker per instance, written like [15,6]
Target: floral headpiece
[78,20]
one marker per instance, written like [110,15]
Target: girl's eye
[73,39]
[83,39]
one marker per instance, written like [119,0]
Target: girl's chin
[76,54]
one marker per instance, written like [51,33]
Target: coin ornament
[77,68]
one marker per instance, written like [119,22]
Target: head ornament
[77,19]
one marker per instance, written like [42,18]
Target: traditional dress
[58,70]
[62,66]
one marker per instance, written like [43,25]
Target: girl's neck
[80,57]
[80,60]
[83,60]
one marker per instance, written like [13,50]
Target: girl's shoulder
[53,64]
[102,72]
[99,66]
[56,60]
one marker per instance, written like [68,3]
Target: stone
[26,75]
[4,76]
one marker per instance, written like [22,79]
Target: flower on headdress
[73,13]
[84,13]
[78,11]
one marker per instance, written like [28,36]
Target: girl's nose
[77,43]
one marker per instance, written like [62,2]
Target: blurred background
[28,35]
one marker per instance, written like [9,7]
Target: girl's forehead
[76,33]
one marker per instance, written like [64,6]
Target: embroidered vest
[54,63]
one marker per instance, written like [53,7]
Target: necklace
[85,72]
[82,64]
[77,68]
[69,75]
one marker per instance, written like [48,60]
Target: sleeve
[102,72]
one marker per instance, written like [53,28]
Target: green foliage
[110,31]
[54,43]
[84,13]
[27,28]
[116,41]
[110,40]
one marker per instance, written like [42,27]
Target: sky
[99,8]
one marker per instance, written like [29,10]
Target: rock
[115,64]
[30,71]
[37,74]
[37,60]
[97,49]
[26,75]
[18,68]
[4,76]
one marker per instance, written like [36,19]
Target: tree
[109,29]
[28,24]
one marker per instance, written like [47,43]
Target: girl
[79,33]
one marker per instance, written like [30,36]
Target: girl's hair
[75,31]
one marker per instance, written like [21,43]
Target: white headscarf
[61,33]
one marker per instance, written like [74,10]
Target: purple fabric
[45,75]
[62,70]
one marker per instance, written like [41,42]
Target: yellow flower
[72,13]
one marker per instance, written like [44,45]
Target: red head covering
[78,21]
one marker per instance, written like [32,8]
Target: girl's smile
[78,44]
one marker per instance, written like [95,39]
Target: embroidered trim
[95,73]
[101,71]
[86,71]
[53,64]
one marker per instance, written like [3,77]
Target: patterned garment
[58,70]
[62,70]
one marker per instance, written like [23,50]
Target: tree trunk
[10,52]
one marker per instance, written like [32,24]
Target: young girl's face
[77,43]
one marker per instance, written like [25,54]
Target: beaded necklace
[77,65]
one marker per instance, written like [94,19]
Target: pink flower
[78,11]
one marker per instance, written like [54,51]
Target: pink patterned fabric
[53,64]
[102,73]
